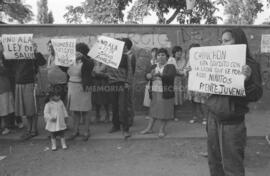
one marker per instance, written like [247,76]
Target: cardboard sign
[18,46]
[107,51]
[265,43]
[218,70]
[65,51]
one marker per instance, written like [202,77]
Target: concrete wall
[144,38]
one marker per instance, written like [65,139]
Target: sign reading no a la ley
[218,70]
[107,51]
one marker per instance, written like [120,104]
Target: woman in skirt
[6,96]
[161,92]
[79,95]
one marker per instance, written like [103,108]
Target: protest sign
[18,46]
[265,43]
[218,70]
[107,51]
[65,51]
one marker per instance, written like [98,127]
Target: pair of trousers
[119,100]
[131,113]
[226,146]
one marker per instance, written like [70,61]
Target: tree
[98,11]
[50,17]
[44,16]
[18,11]
[74,14]
[204,9]
[242,11]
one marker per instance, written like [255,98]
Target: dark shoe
[126,134]
[73,136]
[26,136]
[86,137]
[113,130]
[34,134]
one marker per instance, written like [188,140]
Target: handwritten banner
[218,70]
[65,51]
[18,46]
[107,51]
[265,43]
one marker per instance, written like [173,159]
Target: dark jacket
[167,77]
[4,80]
[25,70]
[254,91]
[119,75]
[87,68]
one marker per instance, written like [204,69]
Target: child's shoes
[63,143]
[54,148]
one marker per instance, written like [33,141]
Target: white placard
[108,51]
[265,43]
[218,70]
[18,46]
[65,51]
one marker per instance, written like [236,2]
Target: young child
[55,115]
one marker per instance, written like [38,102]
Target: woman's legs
[107,111]
[162,128]
[76,123]
[86,130]
[149,128]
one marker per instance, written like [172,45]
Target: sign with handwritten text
[18,46]
[65,51]
[265,43]
[107,51]
[218,70]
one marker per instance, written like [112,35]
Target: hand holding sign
[107,51]
[18,46]
[218,70]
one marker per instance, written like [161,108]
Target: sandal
[161,134]
[146,132]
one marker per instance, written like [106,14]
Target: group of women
[167,79]
[225,115]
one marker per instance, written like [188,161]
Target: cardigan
[168,75]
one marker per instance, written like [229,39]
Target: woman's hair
[239,37]
[154,50]
[52,92]
[49,43]
[82,48]
[176,49]
[193,45]
[163,50]
[128,43]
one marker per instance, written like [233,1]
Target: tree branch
[173,16]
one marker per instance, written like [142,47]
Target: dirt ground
[144,157]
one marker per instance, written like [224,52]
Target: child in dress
[55,115]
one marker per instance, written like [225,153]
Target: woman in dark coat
[161,92]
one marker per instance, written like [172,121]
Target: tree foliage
[98,11]
[43,12]
[50,17]
[203,10]
[242,11]
[19,11]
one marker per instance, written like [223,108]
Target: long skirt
[6,103]
[161,108]
[78,99]
[25,100]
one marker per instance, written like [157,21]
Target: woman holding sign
[79,95]
[226,121]
[161,92]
